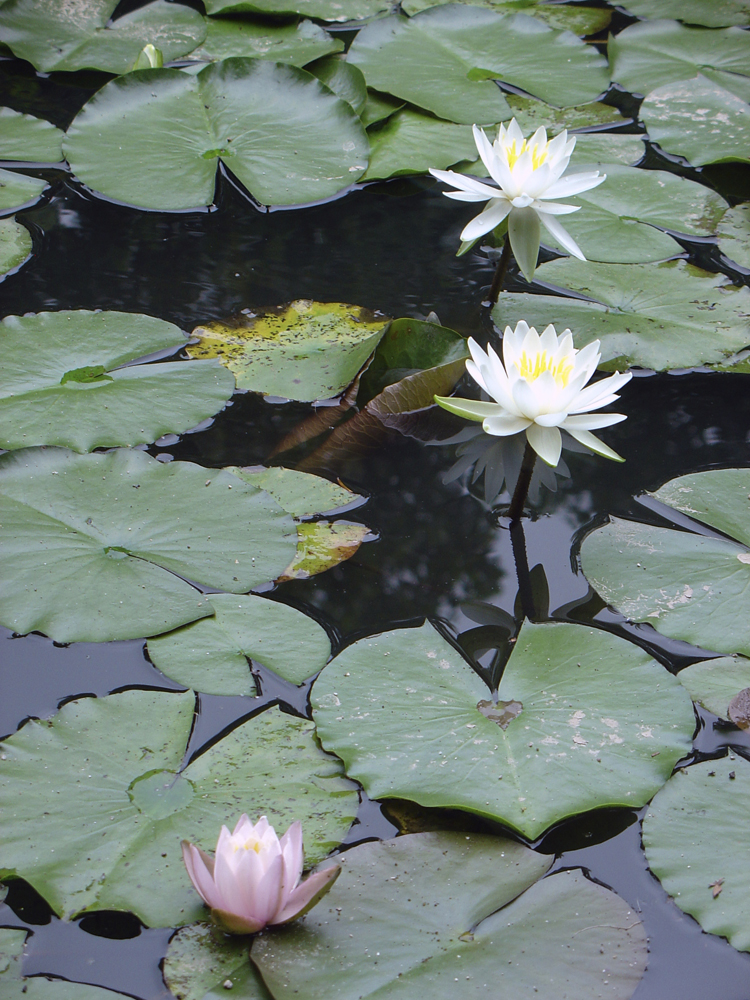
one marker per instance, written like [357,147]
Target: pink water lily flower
[254,879]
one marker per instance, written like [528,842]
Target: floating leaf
[322,545]
[567,17]
[78,36]
[409,347]
[715,684]
[95,800]
[411,143]
[345,80]
[15,245]
[665,316]
[299,493]
[202,959]
[699,120]
[378,106]
[98,547]
[690,854]
[153,138]
[305,350]
[712,13]
[324,10]
[211,655]
[688,586]
[295,44]
[23,137]
[446,59]
[602,148]
[419,916]
[650,54]
[617,220]
[18,190]
[62,383]
[734,235]
[531,114]
[401,710]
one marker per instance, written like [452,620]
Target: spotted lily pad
[421,915]
[153,138]
[96,800]
[23,137]
[295,44]
[734,235]
[401,710]
[711,13]
[699,120]
[688,586]
[201,960]
[720,685]
[577,18]
[446,59]
[324,10]
[79,36]
[305,350]
[98,547]
[211,655]
[702,864]
[67,380]
[18,190]
[663,316]
[15,245]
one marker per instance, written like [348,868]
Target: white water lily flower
[540,387]
[527,173]
[254,879]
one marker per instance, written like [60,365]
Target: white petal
[562,236]
[595,394]
[464,183]
[485,222]
[575,184]
[546,442]
[528,403]
[551,419]
[592,421]
[504,424]
[514,133]
[590,441]
[487,153]
[552,207]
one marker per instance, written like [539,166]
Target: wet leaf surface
[23,137]
[202,959]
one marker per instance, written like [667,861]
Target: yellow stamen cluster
[538,153]
[530,368]
[250,845]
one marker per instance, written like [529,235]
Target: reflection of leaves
[408,347]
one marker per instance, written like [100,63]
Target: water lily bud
[253,881]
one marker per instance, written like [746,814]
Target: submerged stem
[502,267]
[522,486]
[525,590]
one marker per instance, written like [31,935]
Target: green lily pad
[617,219]
[688,586]
[419,916]
[200,961]
[715,684]
[345,80]
[96,800]
[299,493]
[23,137]
[278,130]
[410,143]
[699,120]
[321,545]
[62,382]
[446,59]
[17,190]
[600,148]
[651,54]
[94,546]
[295,44]
[531,114]
[567,17]
[378,106]
[305,350]
[324,10]
[71,37]
[211,655]
[15,986]
[410,347]
[408,716]
[15,245]
[711,13]
[662,316]
[734,235]
[704,868]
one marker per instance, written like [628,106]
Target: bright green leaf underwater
[408,716]
[96,800]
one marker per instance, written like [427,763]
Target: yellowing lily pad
[306,350]
[322,545]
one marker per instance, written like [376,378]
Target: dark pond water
[390,247]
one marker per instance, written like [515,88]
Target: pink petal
[307,894]
[232,923]
[200,868]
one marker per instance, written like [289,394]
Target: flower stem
[502,267]
[522,486]
[525,590]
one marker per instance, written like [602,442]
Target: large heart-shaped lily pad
[23,137]
[410,143]
[211,655]
[15,245]
[445,915]
[445,60]
[98,547]
[734,235]
[305,350]
[663,316]
[576,17]
[720,685]
[15,986]
[617,221]
[18,190]
[697,841]
[77,36]
[153,138]
[711,13]
[324,10]
[688,586]
[96,800]
[699,120]
[295,44]
[651,54]
[411,719]
[62,381]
